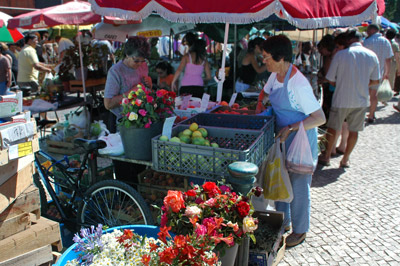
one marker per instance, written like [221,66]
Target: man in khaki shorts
[352,72]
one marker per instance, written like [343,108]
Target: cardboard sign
[233,99]
[204,101]
[185,102]
[167,128]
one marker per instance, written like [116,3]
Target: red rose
[174,200]
[243,208]
[211,189]
[191,193]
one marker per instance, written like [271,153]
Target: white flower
[133,116]
[249,224]
[192,211]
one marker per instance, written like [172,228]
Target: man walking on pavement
[383,49]
[352,71]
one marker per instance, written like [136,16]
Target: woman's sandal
[295,239]
[323,162]
[339,151]
[344,165]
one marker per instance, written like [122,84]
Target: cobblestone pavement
[355,216]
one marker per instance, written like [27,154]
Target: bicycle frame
[73,182]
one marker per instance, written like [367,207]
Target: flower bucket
[148,230]
[137,141]
[229,257]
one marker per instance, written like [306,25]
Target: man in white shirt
[352,71]
[383,49]
[63,44]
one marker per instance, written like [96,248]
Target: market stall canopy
[71,13]
[152,26]
[305,14]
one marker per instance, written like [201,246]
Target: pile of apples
[192,135]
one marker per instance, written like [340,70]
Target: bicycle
[109,202]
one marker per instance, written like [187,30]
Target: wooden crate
[43,232]
[146,180]
[15,186]
[62,147]
[16,217]
[40,256]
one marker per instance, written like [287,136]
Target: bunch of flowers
[128,248]
[142,107]
[211,210]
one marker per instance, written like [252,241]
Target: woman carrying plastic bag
[293,102]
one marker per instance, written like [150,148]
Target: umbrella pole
[221,73]
[81,61]
[234,57]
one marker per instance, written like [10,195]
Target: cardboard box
[10,169]
[19,150]
[17,133]
[15,186]
[257,258]
[15,119]
[11,104]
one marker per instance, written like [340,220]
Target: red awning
[302,14]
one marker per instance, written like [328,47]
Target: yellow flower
[130,95]
[139,91]
[133,116]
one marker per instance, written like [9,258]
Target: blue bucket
[148,230]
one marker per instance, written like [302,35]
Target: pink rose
[164,219]
[200,230]
[210,202]
[147,125]
[142,112]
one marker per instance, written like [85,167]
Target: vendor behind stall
[121,79]
[165,75]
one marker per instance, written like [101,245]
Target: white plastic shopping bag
[385,92]
[276,183]
[299,157]
[114,145]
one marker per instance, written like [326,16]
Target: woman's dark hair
[137,46]
[199,48]
[190,38]
[390,34]
[342,39]
[328,42]
[165,66]
[280,47]
[253,43]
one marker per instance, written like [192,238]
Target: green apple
[163,138]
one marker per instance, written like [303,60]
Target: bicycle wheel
[113,203]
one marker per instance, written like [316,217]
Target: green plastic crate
[208,162]
[266,124]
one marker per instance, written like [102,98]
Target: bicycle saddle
[90,145]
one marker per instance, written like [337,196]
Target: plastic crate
[264,123]
[208,162]
[266,112]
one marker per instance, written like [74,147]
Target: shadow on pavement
[322,177]
[393,118]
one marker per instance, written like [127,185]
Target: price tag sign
[20,150]
[204,101]
[233,99]
[185,102]
[167,128]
